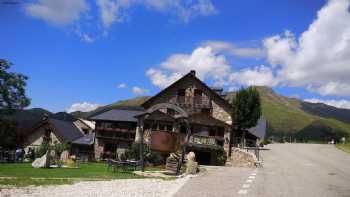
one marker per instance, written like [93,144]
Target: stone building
[208,116]
[115,132]
[63,129]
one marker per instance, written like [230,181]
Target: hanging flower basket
[164,141]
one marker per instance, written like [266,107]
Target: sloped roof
[260,129]
[88,123]
[85,140]
[66,130]
[117,115]
[191,75]
[206,120]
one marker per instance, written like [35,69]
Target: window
[205,110]
[85,131]
[181,92]
[183,129]
[198,97]
[171,112]
[198,92]
[212,132]
[220,132]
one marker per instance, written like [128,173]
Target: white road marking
[245,186]
[242,191]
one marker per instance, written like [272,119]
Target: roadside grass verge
[23,174]
[26,181]
[344,147]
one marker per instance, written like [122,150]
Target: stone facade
[36,138]
[221,114]
[98,149]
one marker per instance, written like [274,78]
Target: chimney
[193,72]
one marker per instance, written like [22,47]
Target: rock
[191,156]
[191,165]
[171,162]
[64,156]
[40,162]
[241,158]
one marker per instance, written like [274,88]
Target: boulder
[64,156]
[41,162]
[191,164]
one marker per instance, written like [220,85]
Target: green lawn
[22,174]
[344,147]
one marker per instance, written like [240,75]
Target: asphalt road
[291,170]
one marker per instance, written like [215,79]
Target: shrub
[149,156]
[42,149]
[266,141]
[221,157]
[60,147]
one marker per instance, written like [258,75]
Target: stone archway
[181,116]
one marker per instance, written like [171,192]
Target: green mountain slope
[132,104]
[287,117]
[292,117]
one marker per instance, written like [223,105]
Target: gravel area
[121,188]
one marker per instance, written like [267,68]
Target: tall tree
[12,96]
[246,111]
[12,88]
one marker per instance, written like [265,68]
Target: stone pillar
[138,134]
[98,149]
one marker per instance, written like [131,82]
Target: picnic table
[124,165]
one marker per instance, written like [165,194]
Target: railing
[189,101]
[102,128]
[115,136]
[204,140]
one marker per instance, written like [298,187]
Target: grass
[23,182]
[344,147]
[22,174]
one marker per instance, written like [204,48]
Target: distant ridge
[287,117]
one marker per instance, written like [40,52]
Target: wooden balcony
[113,136]
[101,128]
[191,102]
[206,140]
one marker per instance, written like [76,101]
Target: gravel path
[125,188]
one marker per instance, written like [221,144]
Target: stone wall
[221,114]
[98,149]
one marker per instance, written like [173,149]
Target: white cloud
[336,103]
[55,12]
[234,50]
[109,10]
[83,106]
[259,75]
[160,79]
[319,59]
[87,39]
[121,85]
[207,64]
[115,10]
[331,88]
[139,91]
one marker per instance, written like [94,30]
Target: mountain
[287,117]
[132,104]
[290,117]
[25,118]
[15,125]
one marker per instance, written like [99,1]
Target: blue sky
[80,54]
